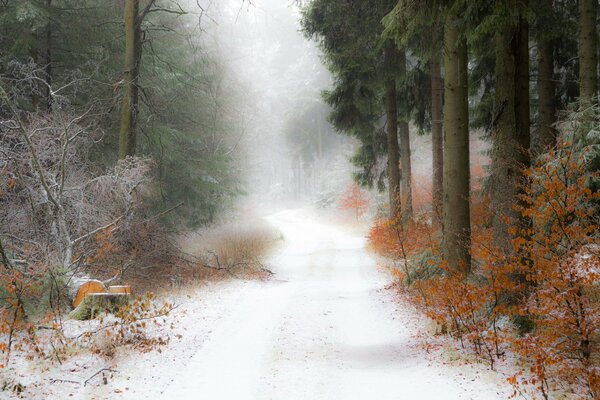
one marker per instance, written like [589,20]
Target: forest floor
[325,327]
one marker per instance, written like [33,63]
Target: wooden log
[96,303]
[120,289]
[87,287]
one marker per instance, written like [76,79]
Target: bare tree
[57,201]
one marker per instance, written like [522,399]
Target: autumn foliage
[355,200]
[540,302]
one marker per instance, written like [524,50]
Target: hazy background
[292,153]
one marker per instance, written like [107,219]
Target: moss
[524,324]
[94,304]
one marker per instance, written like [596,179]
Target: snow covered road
[323,329]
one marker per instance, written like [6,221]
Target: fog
[291,152]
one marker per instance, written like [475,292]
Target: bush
[229,250]
[542,301]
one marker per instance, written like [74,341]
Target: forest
[170,168]
[505,257]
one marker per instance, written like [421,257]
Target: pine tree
[418,30]
[510,126]
[367,74]
[131,72]
[437,135]
[547,107]
[404,135]
[392,59]
[588,50]
[457,222]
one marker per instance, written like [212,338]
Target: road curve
[322,329]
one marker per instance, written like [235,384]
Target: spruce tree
[456,209]
[546,87]
[510,125]
[367,74]
[588,50]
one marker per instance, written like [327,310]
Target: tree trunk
[406,170]
[588,45]
[3,257]
[392,135]
[457,220]
[96,303]
[35,93]
[48,67]
[522,99]
[129,106]
[546,135]
[437,137]
[546,96]
[510,127]
[406,173]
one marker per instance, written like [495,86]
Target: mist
[299,199]
[291,153]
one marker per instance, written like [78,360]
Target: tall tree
[588,49]
[188,109]
[48,61]
[546,133]
[365,65]
[129,104]
[510,126]
[555,27]
[417,30]
[437,135]
[457,220]
[404,134]
[393,167]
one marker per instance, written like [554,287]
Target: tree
[403,133]
[131,72]
[416,29]
[27,35]
[55,173]
[355,200]
[510,126]
[133,17]
[457,222]
[393,154]
[48,62]
[186,97]
[368,68]
[588,50]
[547,108]
[437,135]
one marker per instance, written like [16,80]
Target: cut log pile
[93,298]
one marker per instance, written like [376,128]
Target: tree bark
[393,167]
[522,100]
[546,135]
[129,106]
[588,47]
[3,257]
[33,53]
[457,220]
[405,163]
[48,60]
[510,127]
[437,137]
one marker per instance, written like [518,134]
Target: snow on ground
[323,328]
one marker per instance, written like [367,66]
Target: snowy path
[322,330]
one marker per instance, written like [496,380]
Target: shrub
[228,250]
[547,287]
